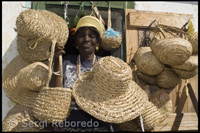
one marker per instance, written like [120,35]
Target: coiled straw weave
[36,29]
[193,39]
[108,92]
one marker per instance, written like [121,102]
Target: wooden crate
[185,108]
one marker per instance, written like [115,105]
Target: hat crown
[112,74]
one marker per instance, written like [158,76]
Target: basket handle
[51,61]
[109,16]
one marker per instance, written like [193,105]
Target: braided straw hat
[109,93]
[15,79]
[21,119]
[36,29]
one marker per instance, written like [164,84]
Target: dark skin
[86,40]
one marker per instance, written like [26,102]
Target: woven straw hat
[90,21]
[21,119]
[14,87]
[109,93]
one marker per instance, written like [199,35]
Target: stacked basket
[27,76]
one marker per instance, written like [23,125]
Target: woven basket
[194,41]
[147,63]
[172,51]
[36,29]
[146,78]
[33,76]
[111,39]
[184,74]
[52,105]
[167,79]
[189,64]
[21,119]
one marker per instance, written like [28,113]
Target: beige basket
[36,29]
[184,74]
[147,62]
[53,104]
[111,39]
[146,78]
[194,41]
[167,79]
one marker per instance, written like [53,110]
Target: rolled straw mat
[108,92]
[22,93]
[21,119]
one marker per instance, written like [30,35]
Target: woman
[87,39]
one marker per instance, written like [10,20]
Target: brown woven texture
[167,79]
[33,76]
[111,43]
[184,74]
[189,64]
[36,29]
[11,86]
[21,119]
[147,78]
[172,51]
[52,104]
[147,62]
[193,39]
[108,92]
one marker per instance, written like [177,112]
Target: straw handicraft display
[52,104]
[108,92]
[35,30]
[111,39]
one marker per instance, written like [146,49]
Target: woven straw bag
[36,28]
[147,62]
[193,39]
[146,78]
[185,74]
[167,79]
[52,105]
[21,119]
[111,39]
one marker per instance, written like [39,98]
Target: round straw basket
[21,119]
[35,28]
[167,79]
[172,51]
[33,76]
[146,78]
[189,64]
[184,74]
[52,105]
[194,41]
[111,39]
[147,63]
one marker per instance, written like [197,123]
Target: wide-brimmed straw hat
[90,21]
[19,92]
[109,93]
[21,119]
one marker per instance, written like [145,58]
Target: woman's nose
[87,38]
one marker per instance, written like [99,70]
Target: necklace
[78,65]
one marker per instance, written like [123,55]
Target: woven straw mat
[16,88]
[108,92]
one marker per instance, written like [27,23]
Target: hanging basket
[111,39]
[35,30]
[146,78]
[52,104]
[193,39]
[185,74]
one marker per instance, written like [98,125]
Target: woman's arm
[56,79]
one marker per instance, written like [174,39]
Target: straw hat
[90,21]
[11,83]
[19,119]
[109,93]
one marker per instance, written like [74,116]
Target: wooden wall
[185,108]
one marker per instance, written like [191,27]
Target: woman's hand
[59,49]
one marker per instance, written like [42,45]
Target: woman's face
[86,42]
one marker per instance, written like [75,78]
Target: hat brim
[90,21]
[107,107]
[17,94]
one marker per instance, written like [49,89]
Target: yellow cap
[90,21]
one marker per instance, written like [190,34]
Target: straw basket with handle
[52,104]
[111,39]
